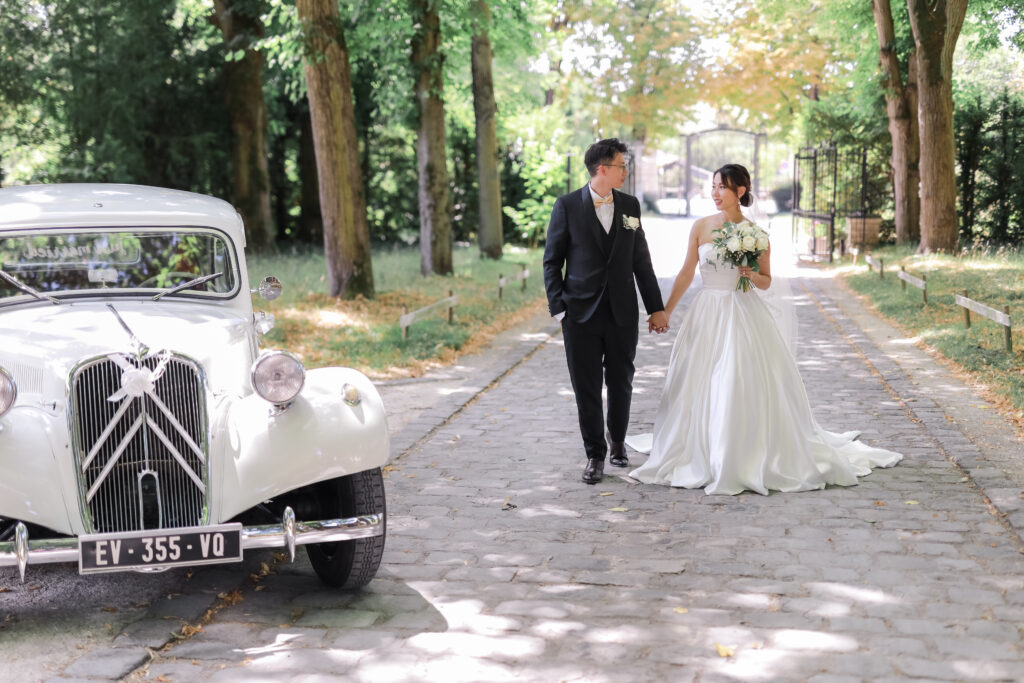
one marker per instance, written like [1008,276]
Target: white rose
[762,242]
[733,244]
[749,242]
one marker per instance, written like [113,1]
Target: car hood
[45,342]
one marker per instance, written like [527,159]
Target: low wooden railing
[408,318]
[1002,317]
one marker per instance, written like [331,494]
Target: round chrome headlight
[8,391]
[277,376]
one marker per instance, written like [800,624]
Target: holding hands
[658,322]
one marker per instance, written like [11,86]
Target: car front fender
[320,436]
[33,487]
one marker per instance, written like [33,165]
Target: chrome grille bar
[159,431]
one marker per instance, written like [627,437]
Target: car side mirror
[270,288]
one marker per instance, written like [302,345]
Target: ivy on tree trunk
[901,109]
[435,212]
[342,202]
[936,25]
[486,109]
[240,24]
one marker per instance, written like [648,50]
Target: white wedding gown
[734,415]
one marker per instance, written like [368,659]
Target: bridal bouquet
[740,244]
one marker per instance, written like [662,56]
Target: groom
[595,233]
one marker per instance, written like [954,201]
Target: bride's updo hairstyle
[734,177]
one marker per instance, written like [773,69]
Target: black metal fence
[830,183]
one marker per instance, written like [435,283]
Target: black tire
[348,564]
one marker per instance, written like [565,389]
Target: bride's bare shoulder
[703,227]
[712,222]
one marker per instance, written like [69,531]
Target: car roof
[34,207]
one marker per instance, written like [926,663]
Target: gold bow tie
[601,201]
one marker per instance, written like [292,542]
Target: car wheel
[348,564]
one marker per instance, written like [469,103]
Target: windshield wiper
[188,285]
[28,290]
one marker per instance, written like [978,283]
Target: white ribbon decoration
[137,381]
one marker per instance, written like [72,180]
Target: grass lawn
[364,333]
[995,278]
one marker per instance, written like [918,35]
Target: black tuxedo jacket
[596,264]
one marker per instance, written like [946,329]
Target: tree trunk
[435,212]
[637,146]
[250,177]
[486,110]
[913,155]
[310,220]
[936,25]
[342,203]
[902,116]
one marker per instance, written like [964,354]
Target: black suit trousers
[600,352]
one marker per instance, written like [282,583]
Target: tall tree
[435,212]
[901,109]
[240,23]
[485,108]
[342,203]
[936,25]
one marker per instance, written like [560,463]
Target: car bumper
[22,551]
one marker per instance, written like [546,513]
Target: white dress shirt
[605,212]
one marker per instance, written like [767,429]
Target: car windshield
[117,261]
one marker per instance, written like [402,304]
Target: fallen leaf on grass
[724,651]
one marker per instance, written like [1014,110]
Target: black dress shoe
[617,454]
[594,471]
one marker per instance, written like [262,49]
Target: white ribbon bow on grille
[136,380]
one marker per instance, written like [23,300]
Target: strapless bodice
[715,273]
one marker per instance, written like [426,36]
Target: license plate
[159,549]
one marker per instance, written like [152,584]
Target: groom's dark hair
[602,152]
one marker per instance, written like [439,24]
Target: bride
[734,414]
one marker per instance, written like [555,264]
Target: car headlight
[8,391]
[278,376]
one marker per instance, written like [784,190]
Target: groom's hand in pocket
[658,322]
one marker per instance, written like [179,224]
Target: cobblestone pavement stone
[501,565]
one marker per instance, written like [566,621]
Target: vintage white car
[141,428]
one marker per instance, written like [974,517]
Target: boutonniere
[630,222]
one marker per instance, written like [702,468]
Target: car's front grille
[140,442]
